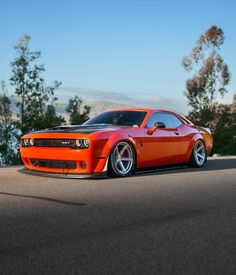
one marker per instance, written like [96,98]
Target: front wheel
[122,160]
[199,156]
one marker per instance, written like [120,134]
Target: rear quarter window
[176,121]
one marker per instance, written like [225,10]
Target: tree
[225,132]
[33,94]
[73,108]
[9,149]
[50,118]
[210,76]
[5,103]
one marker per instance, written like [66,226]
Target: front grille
[66,143]
[54,164]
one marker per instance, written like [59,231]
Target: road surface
[180,221]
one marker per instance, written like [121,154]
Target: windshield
[126,118]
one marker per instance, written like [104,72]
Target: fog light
[83,164]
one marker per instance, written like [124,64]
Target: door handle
[177,133]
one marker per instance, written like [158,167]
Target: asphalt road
[180,221]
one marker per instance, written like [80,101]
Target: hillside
[96,107]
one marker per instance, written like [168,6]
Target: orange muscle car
[117,143]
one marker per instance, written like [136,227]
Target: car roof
[141,109]
[151,110]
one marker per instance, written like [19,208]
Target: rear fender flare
[191,145]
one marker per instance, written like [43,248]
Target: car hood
[82,129]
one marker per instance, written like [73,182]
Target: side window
[161,117]
[176,121]
[152,120]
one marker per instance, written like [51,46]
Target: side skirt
[161,168]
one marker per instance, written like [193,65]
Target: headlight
[82,143]
[32,142]
[25,142]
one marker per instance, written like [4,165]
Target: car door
[163,146]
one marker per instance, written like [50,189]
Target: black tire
[199,155]
[118,164]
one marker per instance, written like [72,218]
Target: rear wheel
[199,157]
[122,160]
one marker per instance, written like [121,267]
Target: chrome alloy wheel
[199,153]
[122,158]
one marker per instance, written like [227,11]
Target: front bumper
[63,161]
[63,175]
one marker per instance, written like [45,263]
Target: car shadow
[70,203]
[212,165]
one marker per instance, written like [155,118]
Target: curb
[222,157]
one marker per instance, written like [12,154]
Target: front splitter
[64,175]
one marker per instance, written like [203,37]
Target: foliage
[50,118]
[210,78]
[77,116]
[225,133]
[9,146]
[35,96]
[9,149]
[36,102]
[5,103]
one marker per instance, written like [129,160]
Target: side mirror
[157,125]
[161,125]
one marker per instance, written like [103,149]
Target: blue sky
[129,47]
